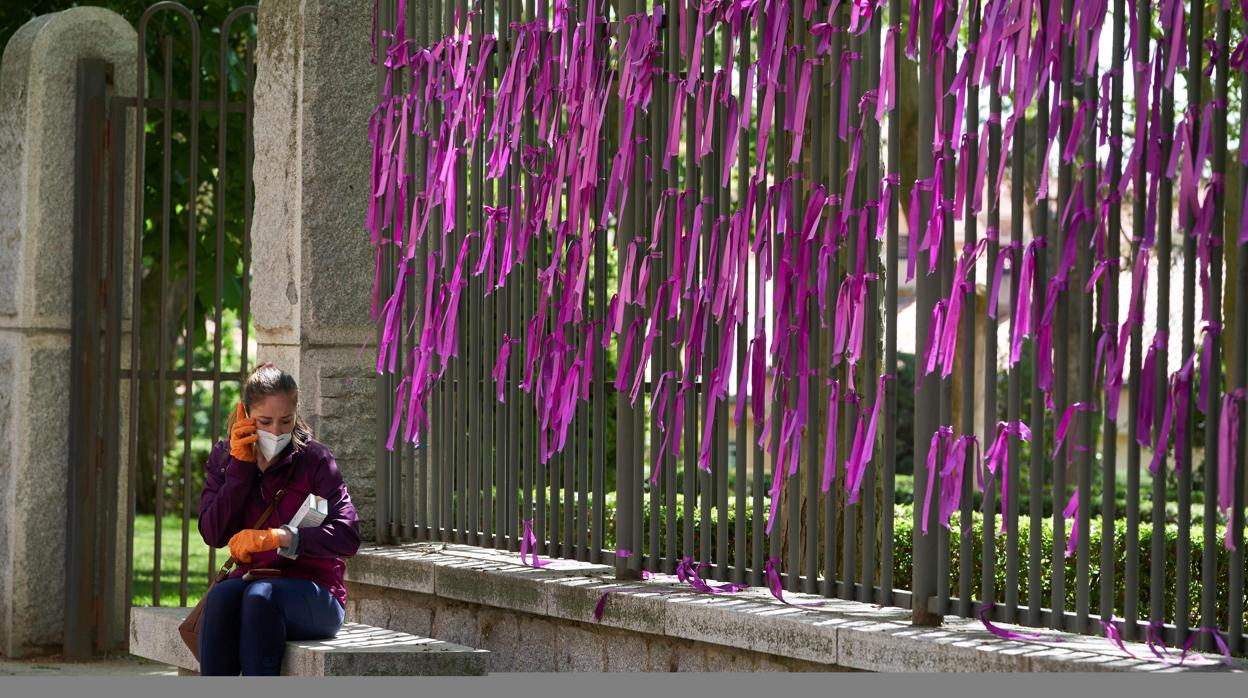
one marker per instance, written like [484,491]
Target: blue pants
[246,624]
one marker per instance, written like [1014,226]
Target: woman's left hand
[255,540]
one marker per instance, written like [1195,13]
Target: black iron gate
[170,207]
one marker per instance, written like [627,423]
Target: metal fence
[643,272]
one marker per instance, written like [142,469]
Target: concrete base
[357,650]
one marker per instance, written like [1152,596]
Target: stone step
[357,650]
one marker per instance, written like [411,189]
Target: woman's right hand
[242,436]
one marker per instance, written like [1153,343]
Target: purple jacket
[236,493]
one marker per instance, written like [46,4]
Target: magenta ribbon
[689,572]
[863,445]
[997,457]
[942,435]
[1071,510]
[1059,436]
[1228,453]
[529,542]
[777,589]
[1007,634]
[1153,636]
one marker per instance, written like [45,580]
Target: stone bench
[357,650]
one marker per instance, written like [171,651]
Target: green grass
[170,561]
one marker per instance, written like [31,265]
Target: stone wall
[38,77]
[312,264]
[524,642]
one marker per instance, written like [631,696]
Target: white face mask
[272,444]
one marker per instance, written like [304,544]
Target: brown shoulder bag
[189,629]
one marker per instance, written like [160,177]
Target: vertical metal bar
[477,348]
[1061,364]
[831,498]
[223,50]
[988,579]
[1187,420]
[1213,313]
[702,397]
[740,510]
[849,515]
[1036,476]
[136,279]
[654,194]
[249,154]
[757,552]
[465,451]
[92,83]
[1236,581]
[1130,608]
[970,237]
[1010,507]
[114,635]
[947,179]
[794,486]
[192,242]
[1109,323]
[891,311]
[413,307]
[927,399]
[1157,581]
[518,431]
[816,404]
[1085,446]
[437,390]
[637,416]
[688,430]
[599,405]
[723,200]
[671,359]
[870,194]
[381,385]
[624,567]
[166,118]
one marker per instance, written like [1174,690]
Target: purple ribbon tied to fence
[997,457]
[777,589]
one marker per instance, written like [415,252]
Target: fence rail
[649,277]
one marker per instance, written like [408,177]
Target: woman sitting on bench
[288,584]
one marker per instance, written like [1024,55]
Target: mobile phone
[261,573]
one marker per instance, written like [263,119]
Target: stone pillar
[312,264]
[38,77]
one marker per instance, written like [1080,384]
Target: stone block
[747,621]
[356,650]
[632,609]
[626,651]
[389,567]
[500,634]
[457,623]
[472,581]
[538,650]
[725,659]
[580,650]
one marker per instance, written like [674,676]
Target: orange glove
[254,540]
[242,436]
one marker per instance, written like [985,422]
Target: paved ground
[118,665]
